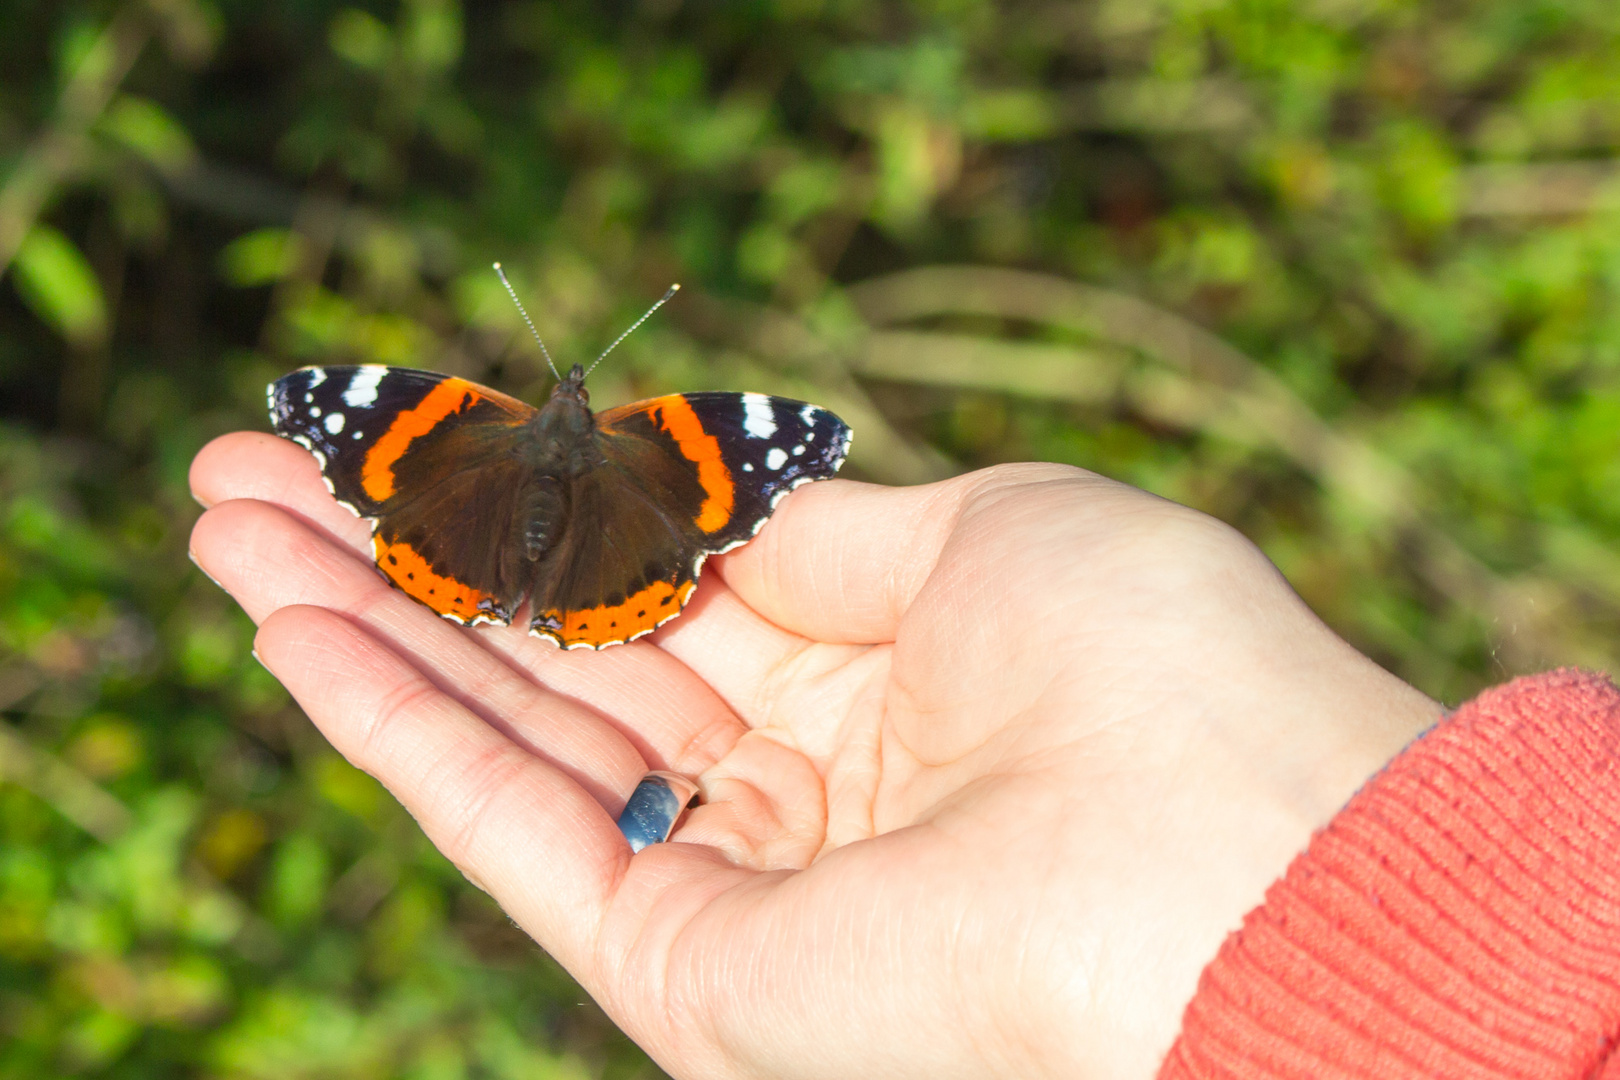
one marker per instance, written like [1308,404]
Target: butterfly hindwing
[685,476]
[626,563]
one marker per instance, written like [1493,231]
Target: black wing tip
[279,394]
[838,442]
[843,436]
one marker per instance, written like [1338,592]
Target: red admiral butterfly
[603,520]
[478,501]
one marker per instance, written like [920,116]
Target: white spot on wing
[748,466]
[316,377]
[758,420]
[334,423]
[308,398]
[315,411]
[362,389]
[797,450]
[808,414]
[776,458]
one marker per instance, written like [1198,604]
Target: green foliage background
[1341,272]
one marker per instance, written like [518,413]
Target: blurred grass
[1344,274]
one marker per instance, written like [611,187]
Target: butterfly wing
[766,447]
[432,460]
[683,477]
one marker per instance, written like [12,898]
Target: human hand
[990,766]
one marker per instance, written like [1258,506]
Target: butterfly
[601,521]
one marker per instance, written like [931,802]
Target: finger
[253,465]
[270,561]
[768,676]
[505,817]
[676,721]
[734,648]
[765,807]
[841,561]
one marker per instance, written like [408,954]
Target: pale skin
[990,767]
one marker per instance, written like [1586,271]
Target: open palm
[989,766]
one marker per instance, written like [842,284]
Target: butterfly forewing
[425,456]
[748,451]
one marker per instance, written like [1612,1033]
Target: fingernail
[192,555]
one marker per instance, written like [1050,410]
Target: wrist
[1267,762]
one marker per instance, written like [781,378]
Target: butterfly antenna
[662,300]
[513,294]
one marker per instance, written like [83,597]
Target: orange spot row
[598,626]
[675,416]
[377,474]
[413,574]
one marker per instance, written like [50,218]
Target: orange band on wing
[411,572]
[604,625]
[377,474]
[675,416]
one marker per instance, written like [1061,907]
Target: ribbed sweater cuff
[1459,918]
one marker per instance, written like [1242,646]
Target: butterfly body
[601,521]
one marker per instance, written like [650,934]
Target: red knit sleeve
[1459,918]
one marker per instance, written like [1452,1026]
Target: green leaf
[764,253]
[431,34]
[908,171]
[190,28]
[290,1032]
[1419,173]
[360,38]
[98,1038]
[299,874]
[260,257]
[146,128]
[57,284]
[1009,116]
[83,50]
[346,786]
[805,189]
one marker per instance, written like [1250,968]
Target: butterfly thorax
[560,448]
[560,442]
